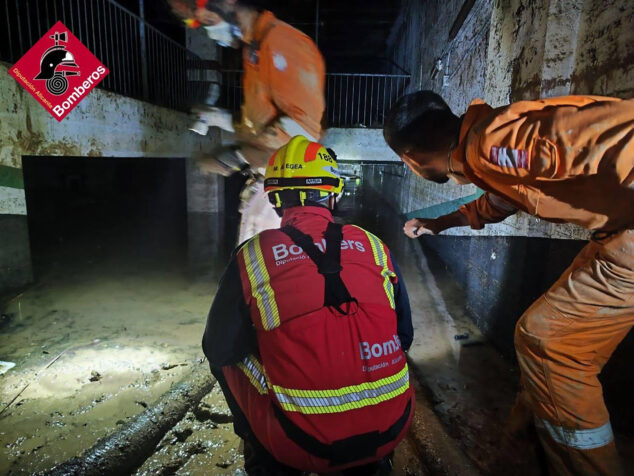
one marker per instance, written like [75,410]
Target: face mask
[224,34]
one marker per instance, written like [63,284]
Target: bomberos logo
[59,71]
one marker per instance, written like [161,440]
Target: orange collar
[263,24]
[476,112]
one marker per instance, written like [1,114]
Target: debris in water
[95,376]
[461,336]
[166,366]
[141,402]
[6,366]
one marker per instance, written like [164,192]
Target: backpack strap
[328,263]
[347,450]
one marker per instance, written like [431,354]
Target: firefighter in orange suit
[307,332]
[283,89]
[567,159]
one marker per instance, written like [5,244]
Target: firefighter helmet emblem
[55,64]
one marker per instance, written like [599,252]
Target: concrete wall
[102,125]
[506,50]
[365,145]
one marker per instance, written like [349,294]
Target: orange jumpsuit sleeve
[297,77]
[528,141]
[489,208]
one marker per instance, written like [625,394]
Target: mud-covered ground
[201,443]
[97,342]
[94,344]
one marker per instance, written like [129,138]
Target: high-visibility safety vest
[330,358]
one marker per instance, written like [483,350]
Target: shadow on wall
[501,276]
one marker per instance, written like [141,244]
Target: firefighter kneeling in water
[307,332]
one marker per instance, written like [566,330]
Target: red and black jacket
[322,313]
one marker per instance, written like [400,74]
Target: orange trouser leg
[562,342]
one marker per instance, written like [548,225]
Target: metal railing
[362,100]
[231,90]
[352,100]
[144,63]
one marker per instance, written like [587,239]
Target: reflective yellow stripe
[345,398]
[381,260]
[260,284]
[254,371]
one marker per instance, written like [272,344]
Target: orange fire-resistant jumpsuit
[568,159]
[284,75]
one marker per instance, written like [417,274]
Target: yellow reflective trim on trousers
[252,368]
[260,284]
[343,399]
[381,260]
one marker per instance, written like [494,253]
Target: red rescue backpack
[337,376]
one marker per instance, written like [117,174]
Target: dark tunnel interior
[105,209]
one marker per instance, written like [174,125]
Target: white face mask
[224,34]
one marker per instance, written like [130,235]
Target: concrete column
[605,49]
[205,220]
[516,50]
[560,47]
[205,193]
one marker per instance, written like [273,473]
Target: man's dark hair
[255,4]
[421,121]
[213,5]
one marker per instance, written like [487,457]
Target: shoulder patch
[507,157]
[279,62]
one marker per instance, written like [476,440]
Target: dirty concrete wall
[359,144]
[507,51]
[102,125]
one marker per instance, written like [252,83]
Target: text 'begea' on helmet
[302,164]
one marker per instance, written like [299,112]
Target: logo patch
[507,157]
[59,71]
[279,62]
[283,254]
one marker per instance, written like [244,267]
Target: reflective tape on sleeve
[252,368]
[345,398]
[579,439]
[260,284]
[381,260]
